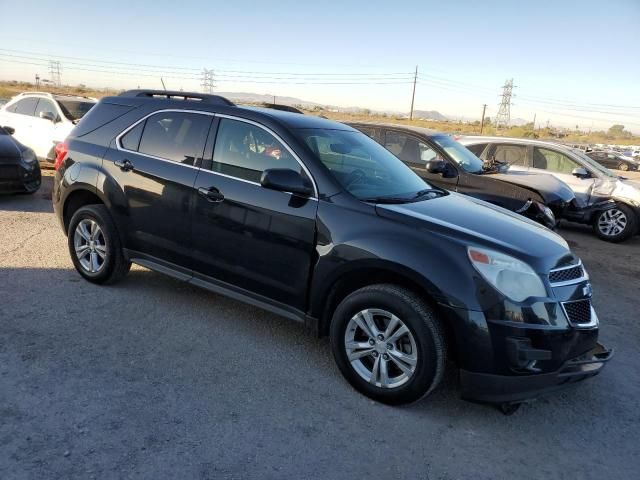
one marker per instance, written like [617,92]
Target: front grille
[578,312]
[566,274]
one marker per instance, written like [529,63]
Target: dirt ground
[153,378]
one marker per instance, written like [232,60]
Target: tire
[102,260]
[423,346]
[616,225]
[623,166]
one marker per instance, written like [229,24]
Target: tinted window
[75,109]
[553,161]
[363,167]
[26,106]
[243,150]
[175,136]
[463,157]
[477,149]
[131,140]
[511,154]
[44,106]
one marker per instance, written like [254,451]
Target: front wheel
[623,166]
[388,344]
[616,225]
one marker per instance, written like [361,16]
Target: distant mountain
[245,97]
[428,115]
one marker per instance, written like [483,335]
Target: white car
[42,120]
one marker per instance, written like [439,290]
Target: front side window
[553,161]
[477,149]
[462,156]
[361,165]
[511,154]
[45,106]
[75,109]
[26,106]
[244,151]
[174,136]
[409,149]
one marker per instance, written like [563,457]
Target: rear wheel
[388,344]
[95,246]
[623,166]
[616,224]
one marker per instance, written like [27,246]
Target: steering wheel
[354,177]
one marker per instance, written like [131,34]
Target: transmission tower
[207,80]
[503,117]
[54,72]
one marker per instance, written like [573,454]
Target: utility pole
[413,95]
[503,117]
[484,109]
[207,81]
[37,81]
[54,72]
[534,122]
[163,85]
[274,99]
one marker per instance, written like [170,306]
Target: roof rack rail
[284,108]
[53,95]
[175,95]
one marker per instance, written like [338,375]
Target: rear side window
[26,106]
[511,154]
[408,149]
[131,140]
[175,136]
[244,151]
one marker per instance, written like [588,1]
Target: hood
[549,187]
[9,149]
[471,221]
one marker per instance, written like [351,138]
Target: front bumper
[491,388]
[20,177]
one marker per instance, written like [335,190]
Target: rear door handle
[212,194]
[124,165]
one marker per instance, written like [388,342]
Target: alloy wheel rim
[612,222]
[380,348]
[90,246]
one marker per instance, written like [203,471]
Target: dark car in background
[439,159]
[614,160]
[315,221]
[19,168]
[611,204]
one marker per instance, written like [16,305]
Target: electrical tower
[503,117]
[54,72]
[207,81]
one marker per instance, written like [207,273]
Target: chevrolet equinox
[315,221]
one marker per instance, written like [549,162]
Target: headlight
[29,156]
[510,276]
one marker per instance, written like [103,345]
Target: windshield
[592,163]
[363,167]
[75,109]
[459,154]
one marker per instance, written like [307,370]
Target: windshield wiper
[417,196]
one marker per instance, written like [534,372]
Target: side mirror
[436,166]
[9,130]
[580,173]
[286,180]
[48,116]
[441,167]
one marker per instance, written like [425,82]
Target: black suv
[315,221]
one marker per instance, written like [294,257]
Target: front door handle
[212,194]
[124,165]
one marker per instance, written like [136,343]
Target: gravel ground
[153,378]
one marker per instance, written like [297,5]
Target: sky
[572,62]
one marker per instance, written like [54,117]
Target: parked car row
[318,222]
